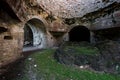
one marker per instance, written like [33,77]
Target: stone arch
[38,30]
[79,33]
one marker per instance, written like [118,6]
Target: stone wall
[58,18]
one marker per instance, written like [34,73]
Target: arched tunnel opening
[28,36]
[78,34]
[34,35]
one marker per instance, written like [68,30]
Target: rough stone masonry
[49,22]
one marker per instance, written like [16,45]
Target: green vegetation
[42,66]
[87,50]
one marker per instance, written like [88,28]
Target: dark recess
[2,29]
[79,33]
[28,36]
[108,34]
[5,7]
[8,37]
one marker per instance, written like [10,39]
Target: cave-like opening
[79,33]
[34,35]
[28,36]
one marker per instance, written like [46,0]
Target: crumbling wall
[11,39]
[58,16]
[105,17]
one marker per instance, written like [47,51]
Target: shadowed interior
[79,33]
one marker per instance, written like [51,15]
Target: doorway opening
[34,35]
[28,36]
[79,33]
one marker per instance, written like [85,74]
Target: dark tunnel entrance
[79,33]
[28,36]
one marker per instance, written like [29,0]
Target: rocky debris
[107,58]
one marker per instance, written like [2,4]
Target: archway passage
[79,33]
[28,36]
[34,35]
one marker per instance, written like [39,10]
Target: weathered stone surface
[57,16]
[73,8]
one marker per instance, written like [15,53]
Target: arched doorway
[79,33]
[35,34]
[28,36]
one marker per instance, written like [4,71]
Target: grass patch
[86,50]
[42,66]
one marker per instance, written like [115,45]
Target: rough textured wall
[95,14]
[73,8]
[18,7]
[58,16]
[10,34]
[107,21]
[14,15]
[106,17]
